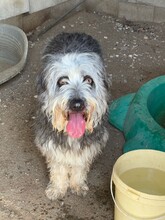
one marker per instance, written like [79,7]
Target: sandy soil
[134,53]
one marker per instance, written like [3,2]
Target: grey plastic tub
[13,51]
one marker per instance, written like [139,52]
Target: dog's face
[75,98]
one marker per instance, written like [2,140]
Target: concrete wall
[142,10]
[37,5]
[29,16]
[11,8]
[106,6]
[134,10]
[29,21]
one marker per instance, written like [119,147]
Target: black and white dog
[73,95]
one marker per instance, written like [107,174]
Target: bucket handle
[123,212]
[113,197]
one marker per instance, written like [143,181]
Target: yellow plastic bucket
[130,202]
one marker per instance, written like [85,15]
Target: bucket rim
[140,195]
[136,193]
[125,213]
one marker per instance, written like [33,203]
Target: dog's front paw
[80,190]
[53,192]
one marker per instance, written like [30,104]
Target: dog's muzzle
[76,120]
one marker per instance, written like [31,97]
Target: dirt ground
[134,53]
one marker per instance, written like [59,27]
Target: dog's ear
[108,83]
[40,83]
[107,79]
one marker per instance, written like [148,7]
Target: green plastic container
[141,116]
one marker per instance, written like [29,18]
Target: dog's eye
[62,81]
[88,80]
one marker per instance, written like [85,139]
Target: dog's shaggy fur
[72,80]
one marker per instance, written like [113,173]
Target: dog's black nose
[77,105]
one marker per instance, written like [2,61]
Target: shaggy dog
[72,93]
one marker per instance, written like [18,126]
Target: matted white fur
[74,157]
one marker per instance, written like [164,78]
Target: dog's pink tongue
[76,125]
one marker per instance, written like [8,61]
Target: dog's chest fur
[65,149]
